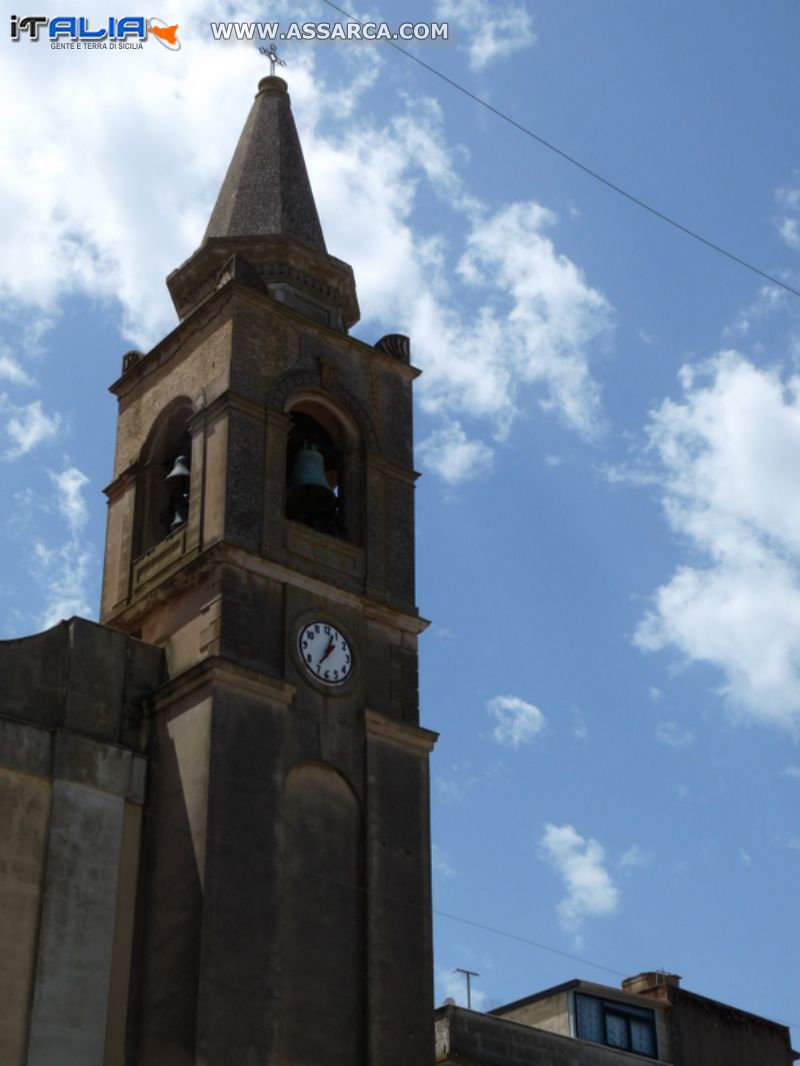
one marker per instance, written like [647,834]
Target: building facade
[242,730]
[580,1023]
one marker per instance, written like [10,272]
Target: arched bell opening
[323,468]
[164,483]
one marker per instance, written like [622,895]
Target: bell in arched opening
[178,481]
[309,497]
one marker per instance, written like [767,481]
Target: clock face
[325,653]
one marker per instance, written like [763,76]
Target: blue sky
[608,425]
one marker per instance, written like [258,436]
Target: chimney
[652,983]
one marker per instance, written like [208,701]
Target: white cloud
[634,857]
[69,484]
[745,857]
[106,222]
[518,722]
[60,562]
[768,300]
[552,315]
[788,221]
[453,456]
[63,574]
[10,370]
[791,771]
[673,736]
[494,29]
[726,460]
[124,199]
[590,890]
[530,319]
[27,426]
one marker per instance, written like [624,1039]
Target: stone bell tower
[261,531]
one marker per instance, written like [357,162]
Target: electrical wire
[220,839]
[687,230]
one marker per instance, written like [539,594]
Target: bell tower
[261,531]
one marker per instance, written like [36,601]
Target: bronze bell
[308,493]
[180,468]
[177,481]
[181,513]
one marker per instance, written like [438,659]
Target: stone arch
[298,380]
[336,425]
[321,1010]
[157,501]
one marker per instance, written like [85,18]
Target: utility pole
[467,974]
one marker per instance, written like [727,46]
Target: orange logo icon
[164,34]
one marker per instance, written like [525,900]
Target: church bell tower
[261,531]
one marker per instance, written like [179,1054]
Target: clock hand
[328,650]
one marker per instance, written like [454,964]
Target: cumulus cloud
[518,722]
[453,456]
[110,226]
[490,30]
[63,570]
[552,314]
[63,574]
[580,863]
[725,459]
[26,426]
[531,319]
[768,300]
[11,371]
[106,223]
[60,563]
[69,485]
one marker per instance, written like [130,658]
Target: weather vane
[271,54]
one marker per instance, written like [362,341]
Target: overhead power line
[687,230]
[385,897]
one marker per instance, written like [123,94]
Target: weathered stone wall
[72,780]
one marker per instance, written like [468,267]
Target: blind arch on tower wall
[321,1012]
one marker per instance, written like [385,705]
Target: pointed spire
[264,231]
[266,191]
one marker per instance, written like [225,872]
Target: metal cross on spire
[271,54]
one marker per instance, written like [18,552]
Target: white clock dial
[325,652]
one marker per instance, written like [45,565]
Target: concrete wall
[24,815]
[704,1031]
[72,780]
[464,1036]
[550,1013]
